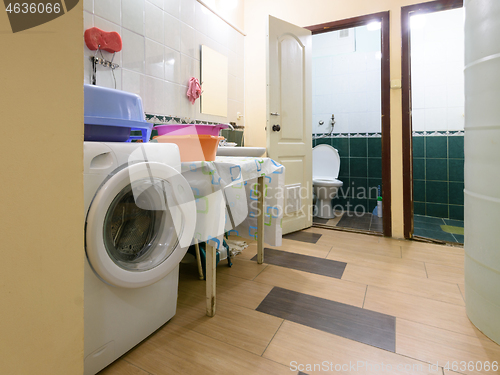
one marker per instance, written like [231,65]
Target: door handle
[276,128]
[275,114]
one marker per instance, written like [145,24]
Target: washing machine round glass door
[139,224]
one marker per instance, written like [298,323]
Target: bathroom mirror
[214,77]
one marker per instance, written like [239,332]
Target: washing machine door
[139,224]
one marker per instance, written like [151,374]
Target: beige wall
[41,200]
[310,13]
[232,11]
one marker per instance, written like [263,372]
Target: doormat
[452,229]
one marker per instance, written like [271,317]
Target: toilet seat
[326,162]
[327,182]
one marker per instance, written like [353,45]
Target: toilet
[326,167]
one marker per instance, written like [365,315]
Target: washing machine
[140,220]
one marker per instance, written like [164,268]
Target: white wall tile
[231,89]
[88,21]
[240,90]
[232,60]
[374,122]
[455,118]
[154,101]
[88,5]
[172,7]
[435,119]
[108,9]
[188,45]
[154,23]
[134,82]
[435,96]
[172,66]
[161,51]
[106,77]
[133,56]
[418,120]
[200,14]
[455,96]
[158,3]
[186,108]
[187,12]
[171,98]
[417,96]
[189,68]
[133,15]
[155,62]
[172,32]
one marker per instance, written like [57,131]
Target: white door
[289,118]
[139,225]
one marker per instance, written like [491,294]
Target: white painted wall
[437,65]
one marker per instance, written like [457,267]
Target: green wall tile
[456,212]
[419,190]
[436,169]
[359,205]
[342,146]
[358,147]
[436,147]
[375,167]
[436,192]
[457,193]
[419,208]
[344,167]
[419,169]
[375,147]
[456,167]
[323,141]
[456,147]
[358,167]
[418,147]
[358,183]
[437,210]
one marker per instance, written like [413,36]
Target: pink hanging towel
[194,89]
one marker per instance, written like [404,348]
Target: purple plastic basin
[186,129]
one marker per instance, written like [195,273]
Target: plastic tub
[101,133]
[108,110]
[185,129]
[193,147]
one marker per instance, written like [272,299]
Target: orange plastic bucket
[193,147]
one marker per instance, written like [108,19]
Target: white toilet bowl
[326,167]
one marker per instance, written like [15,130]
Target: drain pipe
[482,165]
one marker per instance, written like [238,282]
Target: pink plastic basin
[187,129]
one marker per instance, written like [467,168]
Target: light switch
[395,83]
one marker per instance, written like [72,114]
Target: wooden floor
[417,285]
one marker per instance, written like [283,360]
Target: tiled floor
[432,227]
[396,303]
[366,221]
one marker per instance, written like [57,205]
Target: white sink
[241,151]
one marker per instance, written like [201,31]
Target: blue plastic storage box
[110,115]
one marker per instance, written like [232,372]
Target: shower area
[346,114]
[436,59]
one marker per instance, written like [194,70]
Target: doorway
[351,113]
[433,120]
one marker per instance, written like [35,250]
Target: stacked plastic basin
[110,115]
[196,141]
